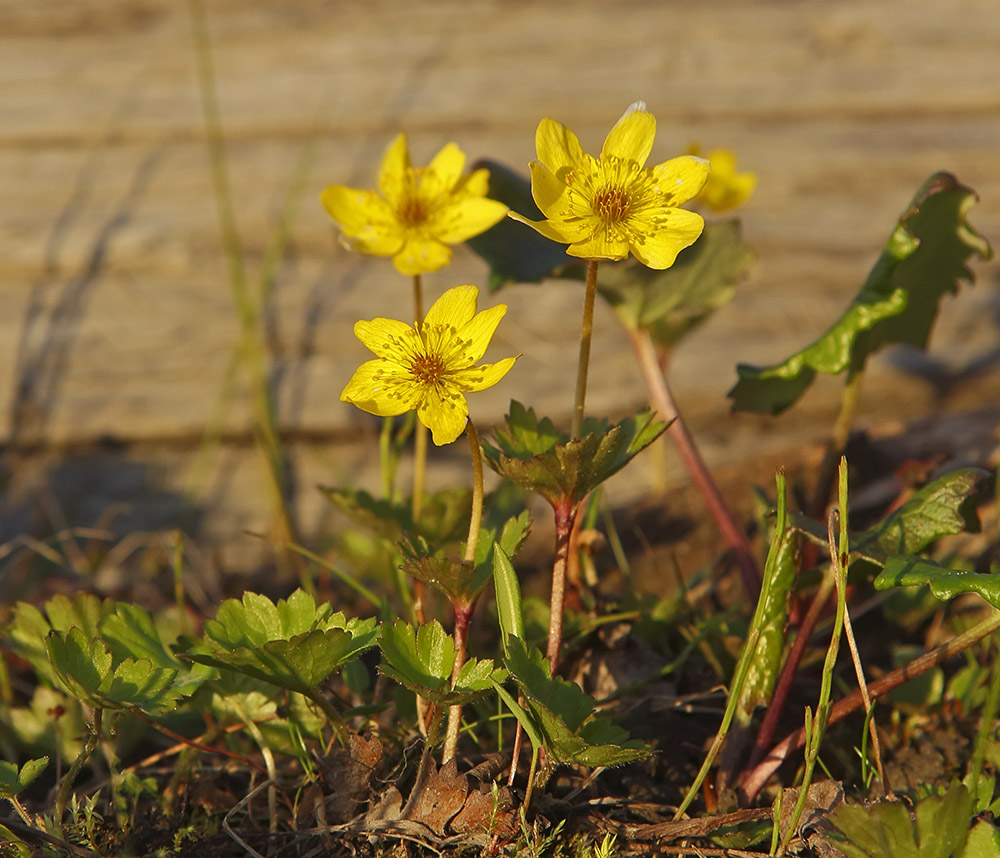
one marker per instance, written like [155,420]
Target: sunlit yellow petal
[631,139]
[374,389]
[445,412]
[600,246]
[480,377]
[558,148]
[364,218]
[477,333]
[546,189]
[454,309]
[463,218]
[443,172]
[561,232]
[476,184]
[681,178]
[394,169]
[388,338]
[420,255]
[659,248]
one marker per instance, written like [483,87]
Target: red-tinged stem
[755,780]
[586,335]
[663,402]
[565,513]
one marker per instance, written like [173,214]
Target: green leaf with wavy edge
[943,507]
[673,302]
[885,829]
[422,659]
[461,582]
[925,258]
[945,584]
[514,252]
[531,453]
[564,715]
[299,663]
[14,781]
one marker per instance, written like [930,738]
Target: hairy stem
[565,516]
[586,335]
[66,787]
[663,402]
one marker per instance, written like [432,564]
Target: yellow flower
[607,207]
[420,212]
[429,367]
[725,189]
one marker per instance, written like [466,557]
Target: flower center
[611,204]
[427,369]
[411,211]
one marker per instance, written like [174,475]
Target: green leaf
[564,715]
[137,684]
[299,663]
[81,664]
[422,660]
[945,584]
[534,455]
[513,251]
[130,632]
[444,517]
[925,258]
[508,593]
[885,830]
[14,781]
[673,302]
[983,841]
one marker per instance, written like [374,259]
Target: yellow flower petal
[445,412]
[600,246]
[388,338]
[558,148]
[463,218]
[486,375]
[454,309]
[559,231]
[394,170]
[378,389]
[364,218]
[546,189]
[477,332]
[658,249]
[443,172]
[681,178]
[476,184]
[631,139]
[420,255]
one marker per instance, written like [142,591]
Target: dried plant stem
[425,759]
[663,402]
[463,611]
[565,514]
[586,335]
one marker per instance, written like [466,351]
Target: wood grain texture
[117,320]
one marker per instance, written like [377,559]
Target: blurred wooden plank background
[117,322]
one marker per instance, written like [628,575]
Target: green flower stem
[419,460]
[565,516]
[586,334]
[463,611]
[849,399]
[66,787]
[755,780]
[663,402]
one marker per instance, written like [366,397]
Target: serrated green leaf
[514,252]
[534,455]
[130,632]
[137,684]
[14,781]
[925,258]
[673,302]
[983,841]
[82,665]
[945,584]
[299,663]
[422,659]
